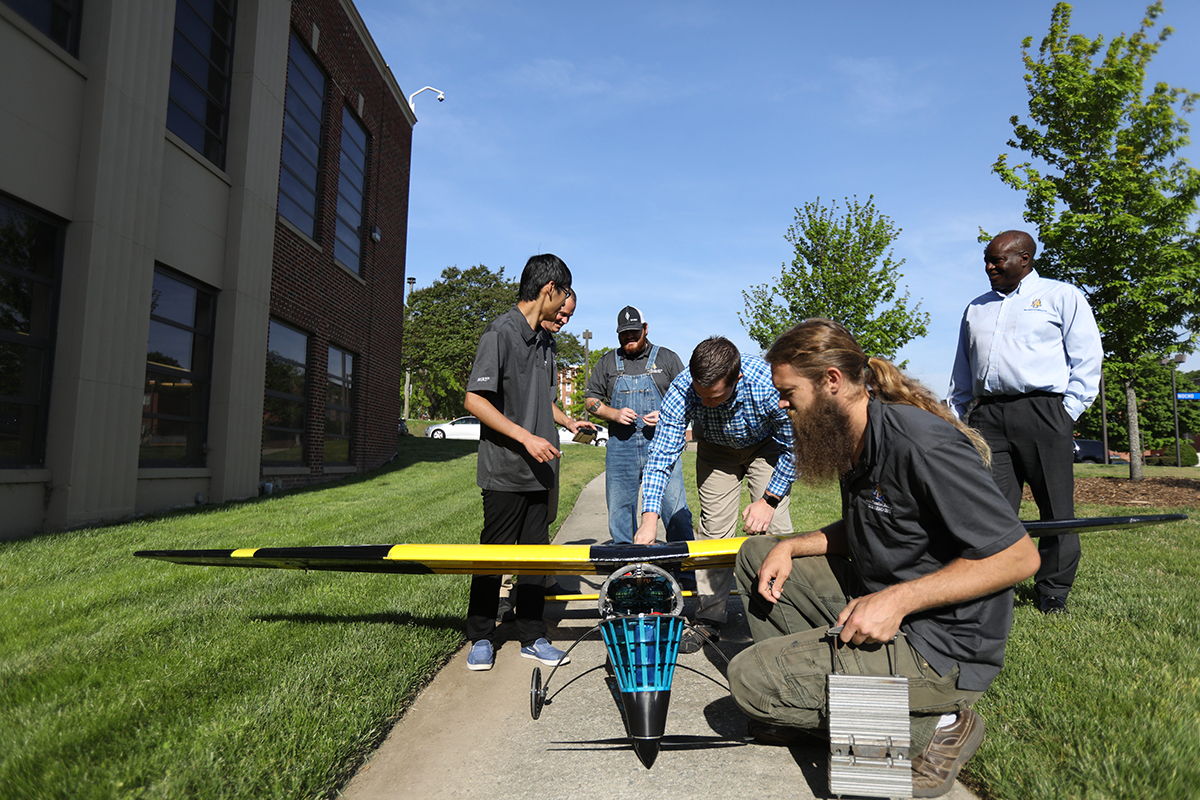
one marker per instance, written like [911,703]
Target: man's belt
[1008,398]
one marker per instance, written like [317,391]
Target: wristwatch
[772,500]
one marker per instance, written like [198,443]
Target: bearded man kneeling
[927,547]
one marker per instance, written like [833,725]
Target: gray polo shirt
[514,369]
[604,376]
[918,499]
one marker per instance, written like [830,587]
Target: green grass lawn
[1122,471]
[1104,703]
[122,677]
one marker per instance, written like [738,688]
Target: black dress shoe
[1053,605]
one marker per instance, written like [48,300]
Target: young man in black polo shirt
[511,391]
[927,546]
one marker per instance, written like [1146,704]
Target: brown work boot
[935,769]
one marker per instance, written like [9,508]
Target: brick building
[203,216]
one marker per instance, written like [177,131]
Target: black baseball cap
[630,319]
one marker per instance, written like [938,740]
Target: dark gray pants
[1031,441]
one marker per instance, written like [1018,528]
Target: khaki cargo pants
[781,679]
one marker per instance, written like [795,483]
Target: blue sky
[660,148]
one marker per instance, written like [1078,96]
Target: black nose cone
[646,750]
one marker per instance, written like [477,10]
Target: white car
[461,428]
[600,440]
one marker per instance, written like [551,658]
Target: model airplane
[640,603]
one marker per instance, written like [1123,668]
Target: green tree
[568,349]
[844,270]
[1156,418]
[577,410]
[1113,206]
[443,323]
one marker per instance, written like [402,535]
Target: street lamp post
[1178,358]
[408,372]
[587,343]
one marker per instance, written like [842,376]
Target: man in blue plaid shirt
[741,434]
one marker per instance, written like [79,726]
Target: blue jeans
[623,463]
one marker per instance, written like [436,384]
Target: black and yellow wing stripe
[549,559]
[464,559]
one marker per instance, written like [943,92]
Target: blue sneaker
[481,656]
[548,654]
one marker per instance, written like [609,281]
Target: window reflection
[178,358]
[30,254]
[284,401]
[339,406]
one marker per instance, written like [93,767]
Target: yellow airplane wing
[549,559]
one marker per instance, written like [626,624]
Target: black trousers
[1031,441]
[511,518]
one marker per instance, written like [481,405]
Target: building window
[352,183]
[58,19]
[178,373]
[30,265]
[284,403]
[301,154]
[201,63]
[339,407]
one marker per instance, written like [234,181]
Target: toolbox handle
[836,657]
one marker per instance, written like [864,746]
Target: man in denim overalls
[626,389]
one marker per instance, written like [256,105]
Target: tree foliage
[1156,418]
[843,270]
[577,410]
[443,323]
[1113,199]
[568,349]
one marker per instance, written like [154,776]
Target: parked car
[600,439]
[1089,451]
[461,428]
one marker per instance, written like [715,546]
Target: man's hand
[625,416]
[647,532]
[575,425]
[651,418]
[872,618]
[541,450]
[774,570]
[757,517]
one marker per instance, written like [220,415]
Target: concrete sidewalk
[470,734]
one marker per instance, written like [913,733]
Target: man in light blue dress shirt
[1029,351]
[741,435]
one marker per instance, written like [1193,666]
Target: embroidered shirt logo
[878,502]
[1036,303]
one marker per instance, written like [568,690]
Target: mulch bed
[1150,492]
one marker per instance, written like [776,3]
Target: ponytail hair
[817,344]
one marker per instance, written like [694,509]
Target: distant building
[203,217]
[567,378]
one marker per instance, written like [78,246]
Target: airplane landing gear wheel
[537,695]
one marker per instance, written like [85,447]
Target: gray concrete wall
[46,135]
[133,194]
[108,269]
[240,349]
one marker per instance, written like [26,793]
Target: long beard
[824,445]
